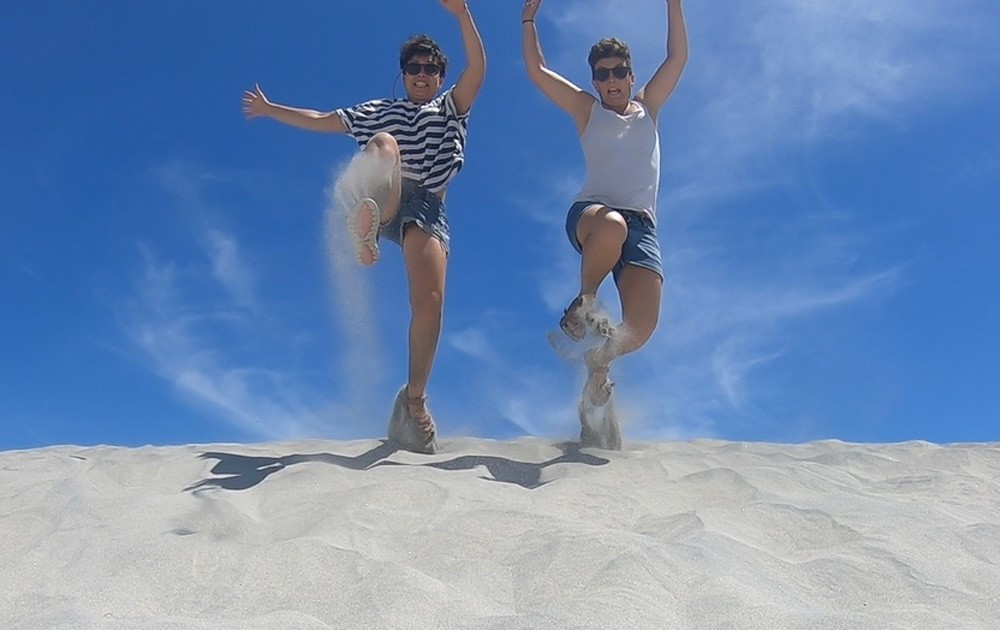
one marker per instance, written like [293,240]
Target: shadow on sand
[241,472]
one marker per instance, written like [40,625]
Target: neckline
[624,114]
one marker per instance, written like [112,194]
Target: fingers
[252,102]
[453,6]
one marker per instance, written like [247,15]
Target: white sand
[525,534]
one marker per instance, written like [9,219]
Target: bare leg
[426,264]
[639,290]
[601,233]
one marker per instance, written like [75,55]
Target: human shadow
[242,472]
[503,470]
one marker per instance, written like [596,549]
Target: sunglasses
[430,69]
[620,72]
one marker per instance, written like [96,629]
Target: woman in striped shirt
[412,148]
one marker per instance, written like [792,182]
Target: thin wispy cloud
[698,309]
[200,322]
[475,343]
[732,361]
[500,385]
[195,335]
[228,269]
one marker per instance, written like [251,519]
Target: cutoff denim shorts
[422,207]
[641,248]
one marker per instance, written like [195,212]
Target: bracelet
[526,21]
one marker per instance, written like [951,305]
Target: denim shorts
[641,247]
[422,207]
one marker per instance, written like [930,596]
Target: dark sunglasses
[620,72]
[430,69]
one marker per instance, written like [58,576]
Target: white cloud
[179,318]
[198,320]
[228,269]
[474,342]
[704,309]
[732,361]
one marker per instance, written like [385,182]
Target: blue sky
[828,215]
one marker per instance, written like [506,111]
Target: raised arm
[256,105]
[471,79]
[560,90]
[665,79]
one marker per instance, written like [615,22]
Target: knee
[613,221]
[606,226]
[383,142]
[637,331]
[427,305]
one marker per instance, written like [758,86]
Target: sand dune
[523,534]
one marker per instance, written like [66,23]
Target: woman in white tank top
[613,220]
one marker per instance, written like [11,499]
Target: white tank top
[622,153]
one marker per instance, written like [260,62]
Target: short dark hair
[422,45]
[609,47]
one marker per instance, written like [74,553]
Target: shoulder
[645,111]
[445,102]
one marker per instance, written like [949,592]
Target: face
[615,91]
[422,86]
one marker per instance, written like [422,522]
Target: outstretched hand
[455,7]
[530,9]
[255,103]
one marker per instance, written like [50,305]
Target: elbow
[536,71]
[477,62]
[679,57]
[536,78]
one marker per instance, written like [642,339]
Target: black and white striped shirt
[431,136]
